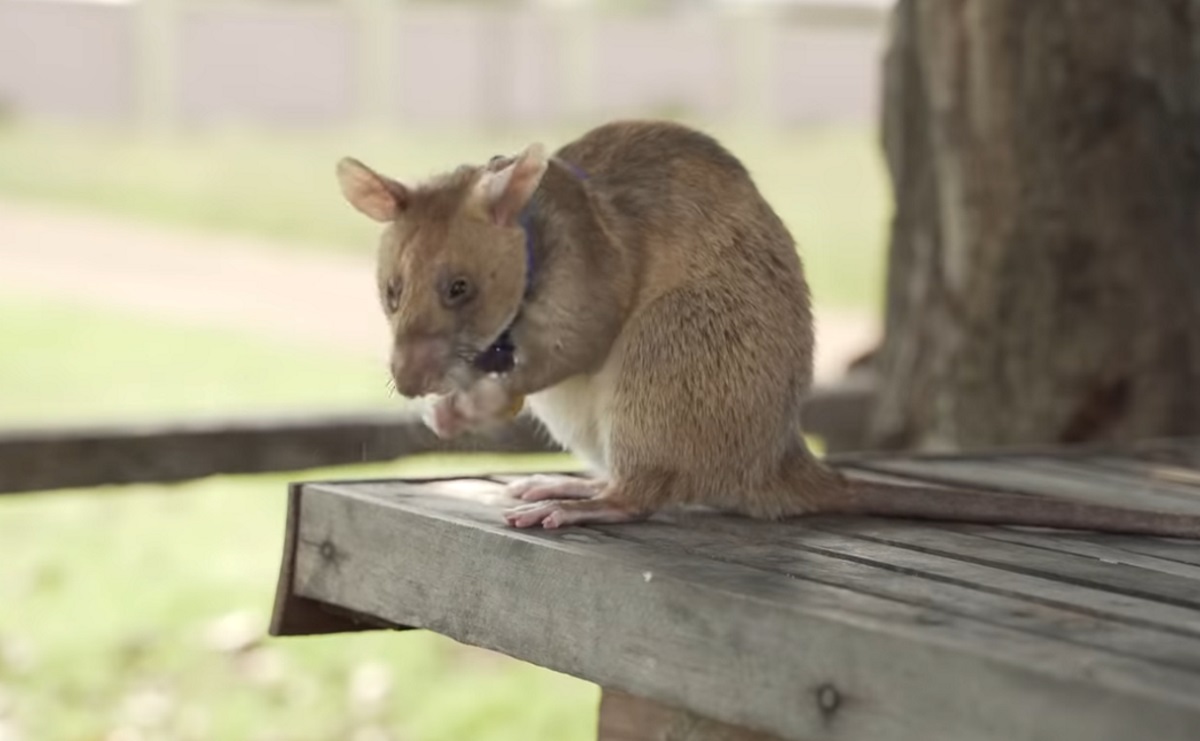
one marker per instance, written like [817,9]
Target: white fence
[178,63]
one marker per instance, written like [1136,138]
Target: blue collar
[500,356]
[525,219]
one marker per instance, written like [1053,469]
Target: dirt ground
[320,299]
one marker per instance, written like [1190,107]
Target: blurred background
[172,243]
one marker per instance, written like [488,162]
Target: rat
[638,294]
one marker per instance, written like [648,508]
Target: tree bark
[1044,278]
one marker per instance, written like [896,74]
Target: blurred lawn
[829,185]
[126,608]
[72,363]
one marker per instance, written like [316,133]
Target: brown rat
[642,294]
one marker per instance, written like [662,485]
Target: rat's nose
[418,365]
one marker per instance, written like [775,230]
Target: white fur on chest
[573,412]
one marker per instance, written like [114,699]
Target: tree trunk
[1044,280]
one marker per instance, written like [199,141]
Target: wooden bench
[47,458]
[707,627]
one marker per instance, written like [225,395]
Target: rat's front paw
[484,403]
[444,418]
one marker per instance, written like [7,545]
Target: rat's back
[690,214]
[662,185]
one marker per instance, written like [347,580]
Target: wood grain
[986,592]
[700,625]
[750,625]
[625,717]
[1029,476]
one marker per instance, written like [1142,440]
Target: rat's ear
[506,191]
[373,194]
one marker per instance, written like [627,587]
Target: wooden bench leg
[625,717]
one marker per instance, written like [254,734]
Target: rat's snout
[419,365]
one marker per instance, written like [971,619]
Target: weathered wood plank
[624,717]
[1160,450]
[991,592]
[1082,544]
[296,615]
[1163,474]
[1164,550]
[1108,622]
[1138,486]
[1180,551]
[912,470]
[1178,598]
[741,645]
[1029,564]
[1012,475]
[1182,453]
[41,459]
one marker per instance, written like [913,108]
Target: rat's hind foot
[554,514]
[540,488]
[630,499]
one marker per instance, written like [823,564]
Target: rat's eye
[458,291]
[391,295]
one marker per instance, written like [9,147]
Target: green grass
[107,597]
[829,185]
[64,362]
